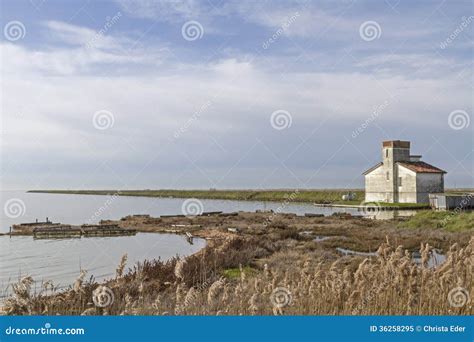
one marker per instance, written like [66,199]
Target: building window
[386,153]
[388,176]
[399,181]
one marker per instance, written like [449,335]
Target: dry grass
[307,283]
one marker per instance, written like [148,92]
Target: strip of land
[318,196]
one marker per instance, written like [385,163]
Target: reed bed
[390,283]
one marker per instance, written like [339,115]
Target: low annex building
[401,177]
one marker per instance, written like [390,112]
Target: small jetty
[51,230]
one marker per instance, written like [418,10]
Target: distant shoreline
[323,196]
[317,196]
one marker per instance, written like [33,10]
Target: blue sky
[231,94]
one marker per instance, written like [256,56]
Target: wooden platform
[49,230]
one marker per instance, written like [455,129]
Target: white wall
[414,189]
[376,186]
[407,192]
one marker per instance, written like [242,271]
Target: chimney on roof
[396,144]
[395,151]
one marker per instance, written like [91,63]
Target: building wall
[377,188]
[407,191]
[390,156]
[383,183]
[427,183]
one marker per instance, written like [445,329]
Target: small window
[386,153]
[399,181]
[388,176]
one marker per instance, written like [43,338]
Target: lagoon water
[79,209]
[61,260]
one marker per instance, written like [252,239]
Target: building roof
[372,168]
[421,167]
[418,166]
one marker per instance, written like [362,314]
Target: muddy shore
[345,231]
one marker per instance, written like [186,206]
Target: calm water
[60,260]
[78,209]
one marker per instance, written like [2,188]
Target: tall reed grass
[389,284]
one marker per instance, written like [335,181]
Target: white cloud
[171,11]
[82,36]
[82,50]
[50,95]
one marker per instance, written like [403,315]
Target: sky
[231,94]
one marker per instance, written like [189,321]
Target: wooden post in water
[189,238]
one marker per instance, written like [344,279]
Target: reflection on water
[60,260]
[390,214]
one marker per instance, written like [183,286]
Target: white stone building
[400,177]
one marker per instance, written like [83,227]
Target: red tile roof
[421,167]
